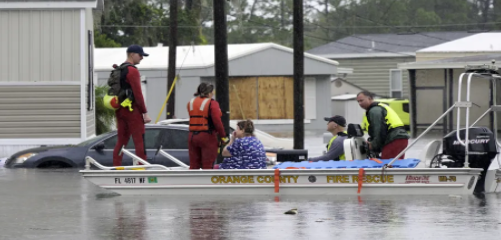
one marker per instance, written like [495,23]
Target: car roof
[185,121]
[169,126]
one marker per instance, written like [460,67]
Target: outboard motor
[355,146]
[481,150]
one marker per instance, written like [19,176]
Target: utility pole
[298,75]
[282,9]
[171,74]
[221,62]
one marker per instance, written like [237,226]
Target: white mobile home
[45,73]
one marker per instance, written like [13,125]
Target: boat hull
[429,181]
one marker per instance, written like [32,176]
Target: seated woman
[244,151]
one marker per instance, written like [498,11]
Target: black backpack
[118,86]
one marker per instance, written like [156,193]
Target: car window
[91,140]
[150,140]
[174,139]
[405,107]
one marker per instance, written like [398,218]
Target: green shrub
[105,118]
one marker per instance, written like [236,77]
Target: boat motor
[355,146]
[481,151]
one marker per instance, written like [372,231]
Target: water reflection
[119,219]
[62,205]
[130,221]
[206,222]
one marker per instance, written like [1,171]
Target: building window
[396,83]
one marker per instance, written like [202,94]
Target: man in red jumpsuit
[131,123]
[205,126]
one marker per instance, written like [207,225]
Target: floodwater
[60,204]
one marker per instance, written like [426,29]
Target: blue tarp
[366,163]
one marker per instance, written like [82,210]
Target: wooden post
[171,74]
[298,75]
[221,62]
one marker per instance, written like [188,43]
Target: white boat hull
[426,181]
[493,177]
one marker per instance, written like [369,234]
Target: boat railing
[90,160]
[135,162]
[170,157]
[488,72]
[135,159]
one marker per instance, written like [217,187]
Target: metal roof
[384,45]
[199,56]
[482,42]
[51,4]
[457,62]
[47,0]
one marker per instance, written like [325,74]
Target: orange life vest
[199,111]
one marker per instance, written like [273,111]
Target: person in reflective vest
[335,149]
[387,134]
[204,127]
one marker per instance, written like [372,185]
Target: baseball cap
[137,49]
[341,121]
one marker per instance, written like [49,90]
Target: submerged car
[172,138]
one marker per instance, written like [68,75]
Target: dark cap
[341,121]
[136,49]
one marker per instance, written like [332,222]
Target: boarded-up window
[275,98]
[243,98]
[268,98]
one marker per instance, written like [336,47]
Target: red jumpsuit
[203,146]
[131,123]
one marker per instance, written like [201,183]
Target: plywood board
[275,98]
[289,97]
[243,97]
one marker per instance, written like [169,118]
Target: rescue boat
[457,170]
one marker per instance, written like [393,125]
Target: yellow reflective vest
[392,119]
[341,157]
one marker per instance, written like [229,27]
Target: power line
[327,40]
[387,11]
[377,41]
[377,49]
[322,26]
[368,19]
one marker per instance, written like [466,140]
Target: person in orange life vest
[131,123]
[205,125]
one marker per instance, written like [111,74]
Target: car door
[105,156]
[174,142]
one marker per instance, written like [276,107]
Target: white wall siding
[39,45]
[37,111]
[373,74]
[91,124]
[339,87]
[310,99]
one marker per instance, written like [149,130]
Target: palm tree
[105,118]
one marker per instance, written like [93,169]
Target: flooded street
[60,204]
